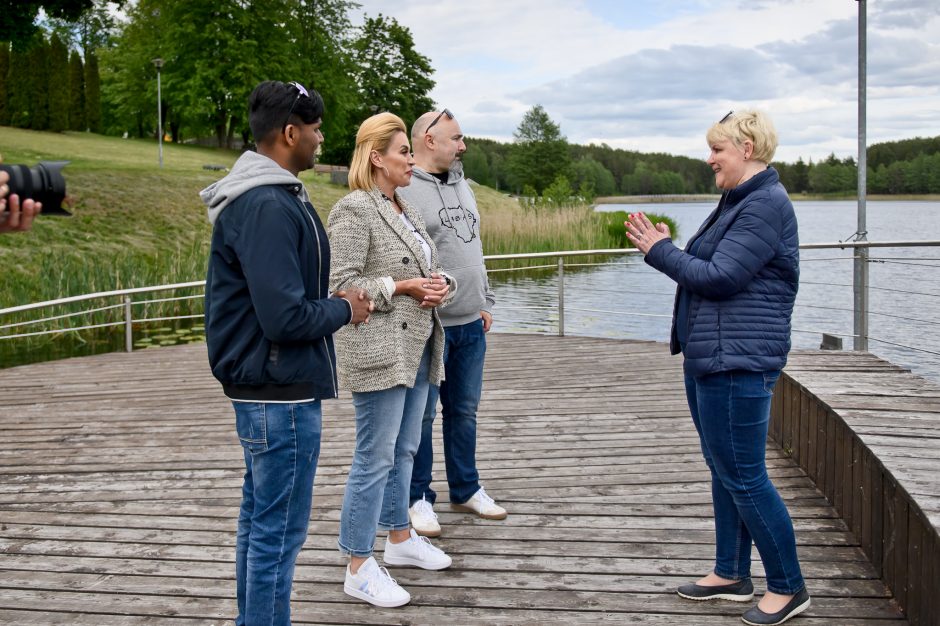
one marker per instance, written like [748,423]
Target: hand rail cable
[891,289]
[101,294]
[64,315]
[901,345]
[61,330]
[193,297]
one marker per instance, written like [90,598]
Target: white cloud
[653,76]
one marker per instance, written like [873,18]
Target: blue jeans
[731,411]
[388,428]
[464,351]
[281,442]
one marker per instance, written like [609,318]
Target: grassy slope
[135,224]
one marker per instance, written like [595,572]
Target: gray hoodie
[450,214]
[250,170]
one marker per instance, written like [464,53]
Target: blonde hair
[375,133]
[743,125]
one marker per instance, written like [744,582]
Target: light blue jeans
[731,412]
[388,430]
[281,444]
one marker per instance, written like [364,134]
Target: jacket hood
[250,170]
[455,173]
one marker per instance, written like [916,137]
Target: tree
[76,102]
[558,193]
[391,74]
[324,40]
[37,84]
[540,152]
[18,97]
[476,167]
[92,93]
[18,17]
[58,84]
[4,77]
[588,172]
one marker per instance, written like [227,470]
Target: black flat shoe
[799,603]
[741,591]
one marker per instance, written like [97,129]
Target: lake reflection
[627,299]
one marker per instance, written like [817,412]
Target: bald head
[437,141]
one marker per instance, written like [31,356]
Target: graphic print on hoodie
[462,222]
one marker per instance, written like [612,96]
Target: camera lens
[43,183]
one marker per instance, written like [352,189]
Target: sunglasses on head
[446,112]
[726,118]
[301,92]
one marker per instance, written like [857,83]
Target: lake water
[904,299]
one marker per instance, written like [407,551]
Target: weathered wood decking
[120,480]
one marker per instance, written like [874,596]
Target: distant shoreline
[657,199]
[699,197]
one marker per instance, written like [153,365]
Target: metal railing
[127,302]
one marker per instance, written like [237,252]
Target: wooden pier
[120,480]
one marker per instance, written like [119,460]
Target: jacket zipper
[326,347]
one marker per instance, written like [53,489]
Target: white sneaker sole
[424,532]
[387,604]
[468,509]
[404,560]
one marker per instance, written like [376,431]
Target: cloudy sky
[653,75]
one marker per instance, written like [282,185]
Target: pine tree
[58,91]
[4,81]
[38,84]
[92,93]
[76,104]
[18,100]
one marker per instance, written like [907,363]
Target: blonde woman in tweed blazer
[379,244]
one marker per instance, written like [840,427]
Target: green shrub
[616,230]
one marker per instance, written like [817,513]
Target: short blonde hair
[749,124]
[375,133]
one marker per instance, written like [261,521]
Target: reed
[135,225]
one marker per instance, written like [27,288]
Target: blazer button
[404,325]
[404,260]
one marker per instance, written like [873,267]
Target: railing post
[128,326]
[561,296]
[860,273]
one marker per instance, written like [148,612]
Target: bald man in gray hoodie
[447,204]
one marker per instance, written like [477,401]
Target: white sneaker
[424,519]
[373,584]
[416,551]
[482,505]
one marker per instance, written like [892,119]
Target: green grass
[135,225]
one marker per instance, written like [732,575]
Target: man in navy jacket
[269,326]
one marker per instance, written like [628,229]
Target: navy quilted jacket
[742,280]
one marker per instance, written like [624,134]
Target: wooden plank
[915,556]
[120,478]
[901,555]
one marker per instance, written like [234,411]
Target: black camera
[43,183]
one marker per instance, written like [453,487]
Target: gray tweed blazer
[368,241]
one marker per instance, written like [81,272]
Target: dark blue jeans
[464,351]
[281,442]
[731,411]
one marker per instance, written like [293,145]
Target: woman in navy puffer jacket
[737,280]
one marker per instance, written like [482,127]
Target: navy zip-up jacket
[269,320]
[741,282]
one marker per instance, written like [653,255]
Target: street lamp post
[159,64]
